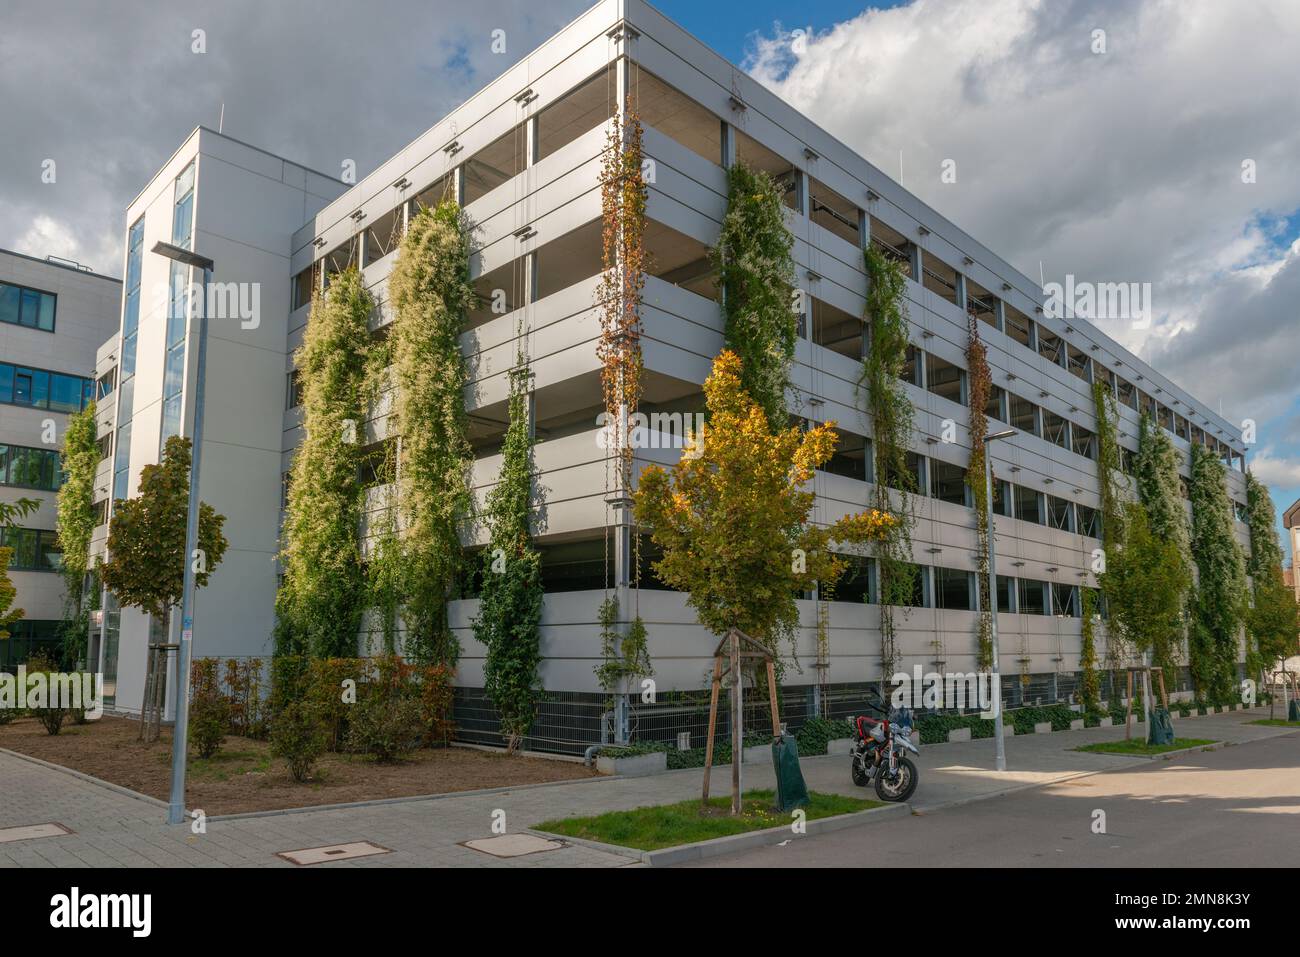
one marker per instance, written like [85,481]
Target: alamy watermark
[47,690]
[1099,300]
[950,690]
[657,430]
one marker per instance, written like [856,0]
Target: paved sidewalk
[113,828]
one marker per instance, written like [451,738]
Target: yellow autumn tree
[732,515]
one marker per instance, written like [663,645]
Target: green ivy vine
[76,524]
[1089,678]
[625,656]
[892,413]
[510,608]
[1113,494]
[755,268]
[1220,598]
[981,384]
[430,290]
[324,593]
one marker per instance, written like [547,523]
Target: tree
[1155,473]
[324,592]
[1220,599]
[1143,583]
[1271,623]
[8,614]
[756,273]
[76,523]
[146,539]
[732,516]
[510,610]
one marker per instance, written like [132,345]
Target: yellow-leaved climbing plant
[430,290]
[732,516]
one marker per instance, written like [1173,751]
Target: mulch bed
[243,775]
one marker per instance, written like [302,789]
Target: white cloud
[1278,471]
[1117,167]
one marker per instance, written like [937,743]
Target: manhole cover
[28,832]
[333,852]
[514,845]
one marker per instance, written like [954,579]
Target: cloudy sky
[1122,165]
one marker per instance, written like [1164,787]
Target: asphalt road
[1236,806]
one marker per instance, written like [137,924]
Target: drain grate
[514,845]
[28,832]
[334,852]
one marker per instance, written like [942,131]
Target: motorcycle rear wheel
[902,787]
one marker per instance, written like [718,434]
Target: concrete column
[1000,314]
[728,145]
[801,193]
[961,293]
[916,262]
[458,184]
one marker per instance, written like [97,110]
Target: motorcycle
[879,752]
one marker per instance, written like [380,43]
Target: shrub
[243,683]
[298,736]
[209,709]
[436,696]
[50,718]
[386,720]
[816,732]
[325,690]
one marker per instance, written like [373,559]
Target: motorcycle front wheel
[903,784]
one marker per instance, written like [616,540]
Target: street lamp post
[1000,746]
[176,807]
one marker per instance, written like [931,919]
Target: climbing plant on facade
[1220,598]
[880,384]
[76,523]
[1113,489]
[981,384]
[622,199]
[623,193]
[755,268]
[1089,679]
[510,609]
[1155,474]
[430,290]
[324,592]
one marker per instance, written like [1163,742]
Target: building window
[42,389]
[1065,600]
[1085,443]
[1031,597]
[1056,429]
[849,458]
[1006,589]
[122,461]
[1023,414]
[1058,513]
[1087,521]
[21,306]
[178,309]
[948,482]
[23,467]
[131,314]
[35,550]
[952,589]
[1026,503]
[944,379]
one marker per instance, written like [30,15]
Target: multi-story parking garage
[523,156]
